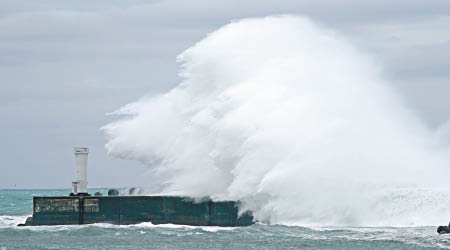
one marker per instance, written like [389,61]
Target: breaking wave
[288,117]
[9,221]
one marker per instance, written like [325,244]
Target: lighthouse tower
[79,186]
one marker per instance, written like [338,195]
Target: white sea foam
[174,226]
[13,222]
[9,221]
[288,117]
[142,225]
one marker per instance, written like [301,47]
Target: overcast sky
[65,64]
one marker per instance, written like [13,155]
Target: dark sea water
[16,205]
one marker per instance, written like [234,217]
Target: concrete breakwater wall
[124,210]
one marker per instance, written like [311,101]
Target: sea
[16,206]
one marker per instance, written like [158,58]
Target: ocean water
[16,205]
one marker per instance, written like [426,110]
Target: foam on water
[171,226]
[7,221]
[13,221]
[288,117]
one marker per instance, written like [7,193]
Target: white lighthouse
[79,187]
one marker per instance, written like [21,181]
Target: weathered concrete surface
[123,210]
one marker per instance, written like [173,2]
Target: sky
[64,65]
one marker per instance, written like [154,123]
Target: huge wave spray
[289,118]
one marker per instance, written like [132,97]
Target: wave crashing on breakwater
[288,117]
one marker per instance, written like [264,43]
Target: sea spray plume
[287,117]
